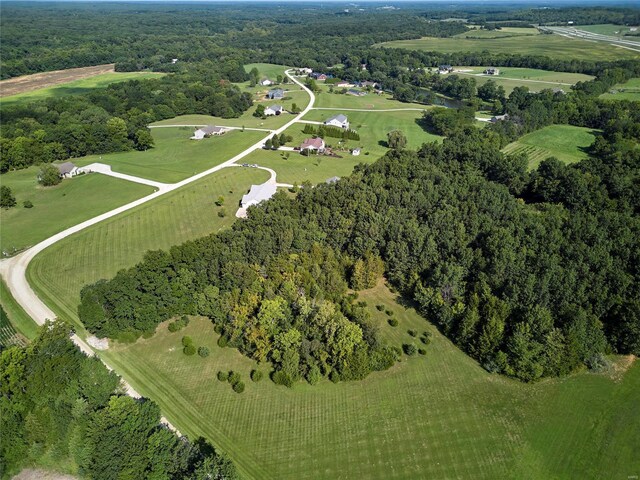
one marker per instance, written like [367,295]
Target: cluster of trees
[276,141]
[112,119]
[60,404]
[328,131]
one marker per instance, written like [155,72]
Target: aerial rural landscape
[299,240]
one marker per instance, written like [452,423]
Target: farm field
[624,91]
[75,87]
[119,242]
[59,207]
[553,46]
[534,79]
[433,416]
[174,156]
[565,142]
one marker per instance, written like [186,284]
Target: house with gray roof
[339,121]
[207,132]
[273,110]
[275,94]
[67,170]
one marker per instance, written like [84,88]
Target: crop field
[75,87]
[176,157]
[59,207]
[59,272]
[565,142]
[553,46]
[433,416]
[624,91]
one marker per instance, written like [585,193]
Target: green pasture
[434,416]
[504,32]
[371,101]
[175,156]
[17,324]
[57,208]
[565,142]
[554,46]
[75,87]
[608,29]
[268,70]
[629,90]
[60,271]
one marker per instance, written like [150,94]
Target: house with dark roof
[444,69]
[499,118]
[67,170]
[275,94]
[313,145]
[339,121]
[356,93]
[492,71]
[273,110]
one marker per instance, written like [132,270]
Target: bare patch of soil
[33,474]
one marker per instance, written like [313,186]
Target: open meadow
[74,87]
[567,143]
[504,32]
[554,46]
[609,29]
[629,90]
[175,156]
[59,207]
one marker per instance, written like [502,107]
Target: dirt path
[28,83]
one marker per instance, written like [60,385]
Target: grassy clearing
[624,91]
[607,29]
[76,87]
[176,157]
[59,272]
[268,70]
[565,142]
[371,101]
[504,32]
[553,46]
[18,321]
[432,416]
[56,208]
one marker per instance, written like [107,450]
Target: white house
[332,180]
[258,194]
[355,152]
[273,110]
[265,82]
[444,69]
[313,145]
[67,170]
[207,132]
[339,121]
[306,70]
[174,61]
[492,71]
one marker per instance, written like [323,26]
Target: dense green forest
[62,407]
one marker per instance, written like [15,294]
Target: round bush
[389,313]
[186,341]
[203,352]
[238,387]
[393,322]
[334,376]
[223,376]
[380,307]
[189,350]
[234,377]
[27,204]
[218,329]
[256,375]
[222,341]
[422,351]
[410,349]
[413,333]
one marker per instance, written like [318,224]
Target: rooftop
[259,193]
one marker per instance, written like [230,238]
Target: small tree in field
[7,199]
[49,176]
[189,350]
[396,140]
[203,352]
[220,201]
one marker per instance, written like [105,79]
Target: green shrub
[222,341]
[218,329]
[314,375]
[410,349]
[389,313]
[380,308]
[222,212]
[27,204]
[189,350]
[186,341]
[281,378]
[256,375]
[334,376]
[173,327]
[179,324]
[413,333]
[393,322]
[203,352]
[234,377]
[425,338]
[422,351]
[238,387]
[223,376]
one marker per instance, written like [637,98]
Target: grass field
[534,79]
[565,142]
[59,207]
[59,272]
[76,87]
[176,157]
[504,32]
[553,46]
[20,322]
[624,91]
[371,101]
[268,70]
[432,416]
[607,29]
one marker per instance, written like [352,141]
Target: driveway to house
[223,126]
[13,270]
[374,109]
[106,170]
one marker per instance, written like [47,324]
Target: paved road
[106,170]
[509,78]
[14,269]
[571,32]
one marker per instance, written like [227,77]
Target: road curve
[14,269]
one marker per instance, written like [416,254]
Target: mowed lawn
[60,271]
[20,322]
[75,87]
[370,101]
[175,156]
[267,70]
[433,416]
[565,142]
[59,207]
[554,46]
[629,90]
[502,33]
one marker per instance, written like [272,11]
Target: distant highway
[572,32]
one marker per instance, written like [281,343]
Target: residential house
[174,61]
[339,121]
[356,93]
[207,132]
[258,194]
[492,71]
[499,118]
[331,180]
[318,76]
[67,170]
[265,82]
[273,110]
[366,84]
[305,70]
[355,152]
[344,84]
[313,145]
[444,69]
[559,90]
[275,94]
